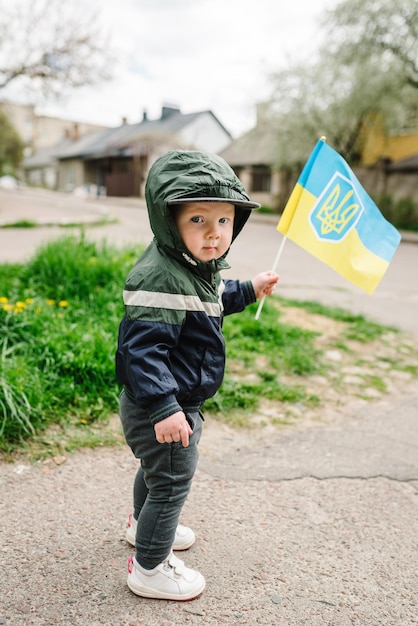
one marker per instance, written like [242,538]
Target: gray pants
[162,483]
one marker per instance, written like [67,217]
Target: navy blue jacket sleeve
[237,295]
[143,365]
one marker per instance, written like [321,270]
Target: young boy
[171,353]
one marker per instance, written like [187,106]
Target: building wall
[48,131]
[377,182]
[403,185]
[378,146]
[204,133]
[22,117]
[281,185]
[402,147]
[397,185]
[41,131]
[71,175]
[43,177]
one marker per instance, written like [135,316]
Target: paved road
[313,526]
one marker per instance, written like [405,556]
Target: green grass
[59,318]
[20,224]
[25,223]
[264,351]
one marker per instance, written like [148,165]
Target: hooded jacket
[171,351]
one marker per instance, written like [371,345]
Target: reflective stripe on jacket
[171,351]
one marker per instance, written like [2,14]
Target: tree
[11,146]
[351,86]
[46,44]
[384,29]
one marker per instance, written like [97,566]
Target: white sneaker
[184,537]
[170,580]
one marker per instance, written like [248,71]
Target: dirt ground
[362,372]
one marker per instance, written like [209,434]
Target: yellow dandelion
[20,305]
[50,302]
[7,307]
[3,300]
[63,303]
[29,300]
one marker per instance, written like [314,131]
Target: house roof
[257,147]
[405,165]
[121,140]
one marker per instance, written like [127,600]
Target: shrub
[406,215]
[403,213]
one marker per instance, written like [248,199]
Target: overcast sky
[196,54]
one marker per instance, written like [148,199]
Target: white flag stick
[273,269]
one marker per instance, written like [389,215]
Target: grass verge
[59,317]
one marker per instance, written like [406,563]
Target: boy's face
[206,228]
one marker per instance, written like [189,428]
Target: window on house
[261,179]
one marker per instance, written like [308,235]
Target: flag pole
[276,262]
[273,269]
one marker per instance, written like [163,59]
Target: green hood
[181,175]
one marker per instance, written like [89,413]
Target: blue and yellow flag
[331,216]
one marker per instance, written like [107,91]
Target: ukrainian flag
[331,216]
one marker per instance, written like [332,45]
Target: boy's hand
[173,428]
[264,284]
